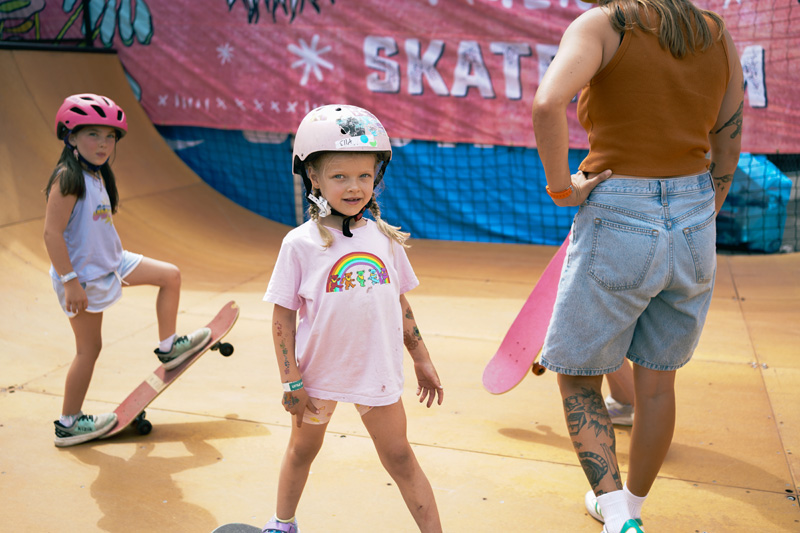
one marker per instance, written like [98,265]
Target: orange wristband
[560,194]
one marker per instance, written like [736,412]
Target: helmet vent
[99,110]
[78,110]
[119,115]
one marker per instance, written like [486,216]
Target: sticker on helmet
[356,142]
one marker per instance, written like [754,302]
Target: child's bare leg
[304,445]
[387,427]
[167,278]
[87,328]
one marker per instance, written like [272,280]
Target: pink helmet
[89,110]
[339,128]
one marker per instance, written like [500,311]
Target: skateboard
[131,411]
[237,528]
[523,342]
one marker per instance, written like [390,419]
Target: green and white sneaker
[183,348]
[85,428]
[593,508]
[631,526]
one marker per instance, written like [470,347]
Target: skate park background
[217,201]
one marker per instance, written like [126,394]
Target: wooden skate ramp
[499,463]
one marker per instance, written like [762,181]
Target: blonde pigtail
[393,232]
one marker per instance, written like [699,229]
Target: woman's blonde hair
[683,28]
[315,161]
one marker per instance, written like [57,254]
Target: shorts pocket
[621,255]
[702,241]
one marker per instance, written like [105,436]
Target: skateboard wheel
[144,427]
[226,349]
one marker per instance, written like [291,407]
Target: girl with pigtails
[341,317]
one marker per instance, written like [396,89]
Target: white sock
[634,502]
[68,420]
[615,510]
[166,344]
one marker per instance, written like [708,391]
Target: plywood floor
[497,463]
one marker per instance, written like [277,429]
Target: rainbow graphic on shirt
[103,212]
[357,270]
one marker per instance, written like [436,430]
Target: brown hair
[683,28]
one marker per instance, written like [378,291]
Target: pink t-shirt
[349,342]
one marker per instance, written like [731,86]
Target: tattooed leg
[591,431]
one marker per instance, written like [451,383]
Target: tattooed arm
[726,135]
[283,336]
[428,383]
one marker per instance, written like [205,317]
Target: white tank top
[92,241]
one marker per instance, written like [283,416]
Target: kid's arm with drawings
[59,208]
[295,400]
[428,383]
[725,137]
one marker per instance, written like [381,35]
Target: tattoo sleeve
[736,121]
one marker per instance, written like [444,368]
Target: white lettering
[390,83]
[471,71]
[425,66]
[511,53]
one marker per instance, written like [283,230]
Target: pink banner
[444,70]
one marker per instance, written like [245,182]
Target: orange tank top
[649,114]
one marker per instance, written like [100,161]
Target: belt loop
[663,185]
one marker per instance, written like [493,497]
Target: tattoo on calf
[594,466]
[586,409]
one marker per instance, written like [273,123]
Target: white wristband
[68,277]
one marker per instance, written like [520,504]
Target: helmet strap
[322,205]
[347,219]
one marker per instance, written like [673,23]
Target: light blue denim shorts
[637,279]
[102,292]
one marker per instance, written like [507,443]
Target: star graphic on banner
[310,58]
[225,53]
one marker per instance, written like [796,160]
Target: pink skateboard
[523,342]
[131,411]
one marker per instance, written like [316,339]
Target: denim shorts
[104,291]
[637,279]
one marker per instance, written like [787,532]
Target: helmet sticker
[354,142]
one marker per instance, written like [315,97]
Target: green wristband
[293,386]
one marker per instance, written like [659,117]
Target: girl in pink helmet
[345,276]
[89,265]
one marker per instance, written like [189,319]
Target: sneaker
[593,508]
[631,526]
[620,413]
[183,348]
[86,427]
[273,526]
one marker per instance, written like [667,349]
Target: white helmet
[339,128]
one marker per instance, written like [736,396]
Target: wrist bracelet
[560,194]
[68,277]
[293,386]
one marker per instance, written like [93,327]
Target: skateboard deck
[521,346]
[237,528]
[131,410]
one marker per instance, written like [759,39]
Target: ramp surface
[505,462]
